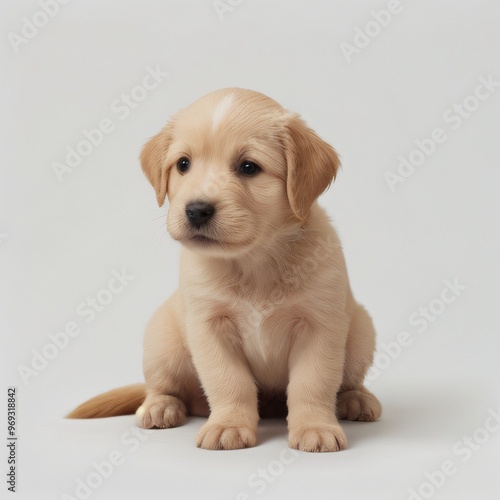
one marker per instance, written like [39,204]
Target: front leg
[316,368]
[228,383]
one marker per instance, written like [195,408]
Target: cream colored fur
[264,310]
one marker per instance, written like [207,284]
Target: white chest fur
[266,331]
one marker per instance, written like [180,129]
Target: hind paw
[358,405]
[161,412]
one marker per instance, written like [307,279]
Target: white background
[60,241]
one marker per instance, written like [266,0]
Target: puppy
[264,317]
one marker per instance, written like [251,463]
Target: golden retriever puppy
[264,314]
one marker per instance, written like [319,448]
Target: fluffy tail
[121,401]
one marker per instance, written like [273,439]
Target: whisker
[163,216]
[163,226]
[163,236]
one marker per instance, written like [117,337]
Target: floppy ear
[311,166]
[152,161]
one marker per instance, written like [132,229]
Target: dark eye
[183,165]
[248,168]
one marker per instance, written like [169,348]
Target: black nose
[199,213]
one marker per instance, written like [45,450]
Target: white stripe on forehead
[221,110]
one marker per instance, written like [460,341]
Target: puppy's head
[238,170]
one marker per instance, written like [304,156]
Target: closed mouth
[204,240]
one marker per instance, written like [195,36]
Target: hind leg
[354,400]
[172,386]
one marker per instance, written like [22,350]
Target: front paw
[215,436]
[317,438]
